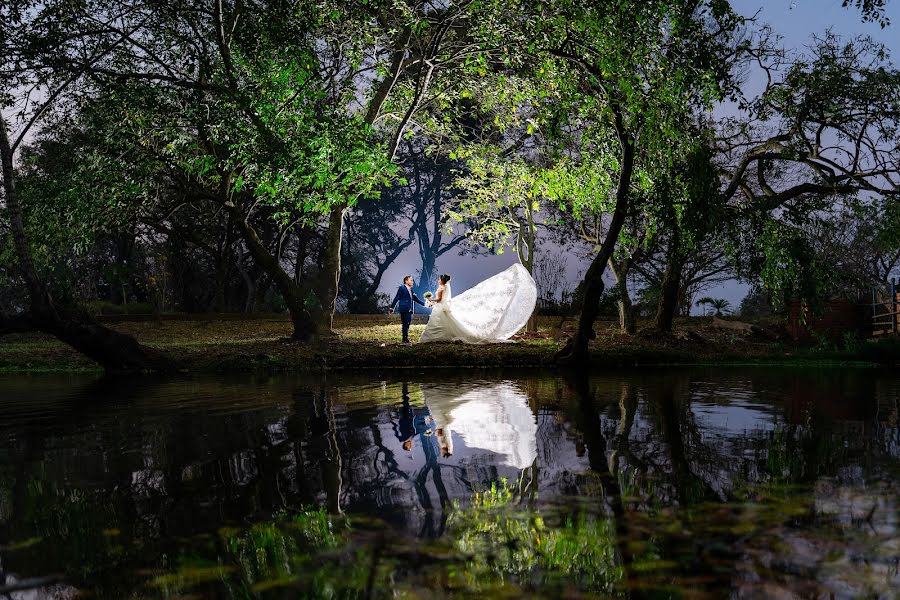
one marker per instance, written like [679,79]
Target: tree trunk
[526,247]
[300,259]
[668,299]
[427,276]
[36,290]
[330,273]
[627,321]
[576,351]
[114,351]
[249,283]
[223,258]
[294,295]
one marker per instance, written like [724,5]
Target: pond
[693,483]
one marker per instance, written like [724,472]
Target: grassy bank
[373,342]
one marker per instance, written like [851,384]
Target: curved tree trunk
[576,351]
[294,295]
[114,351]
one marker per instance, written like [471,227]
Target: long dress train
[492,311]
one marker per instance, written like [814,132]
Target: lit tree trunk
[525,247]
[330,273]
[114,351]
[627,321]
[576,351]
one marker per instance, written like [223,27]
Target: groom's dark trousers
[405,301]
[405,322]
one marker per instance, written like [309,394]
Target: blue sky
[795,20]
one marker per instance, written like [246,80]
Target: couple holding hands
[490,312]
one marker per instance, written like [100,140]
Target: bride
[492,311]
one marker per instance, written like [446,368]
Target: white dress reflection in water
[495,418]
[492,311]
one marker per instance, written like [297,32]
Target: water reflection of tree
[588,420]
[105,488]
[324,439]
[678,428]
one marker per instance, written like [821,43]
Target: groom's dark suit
[405,298]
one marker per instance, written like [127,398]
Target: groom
[405,297]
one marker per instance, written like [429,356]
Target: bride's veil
[496,418]
[499,306]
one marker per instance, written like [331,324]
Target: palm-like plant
[720,305]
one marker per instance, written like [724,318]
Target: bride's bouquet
[428,296]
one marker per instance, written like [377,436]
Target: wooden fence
[886,308]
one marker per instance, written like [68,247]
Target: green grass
[373,341]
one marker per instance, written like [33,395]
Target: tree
[704,268]
[429,194]
[687,208]
[377,233]
[292,110]
[872,10]
[500,203]
[756,303]
[821,134]
[29,94]
[644,64]
[550,278]
[720,305]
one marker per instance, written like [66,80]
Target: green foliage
[872,10]
[756,303]
[504,542]
[789,268]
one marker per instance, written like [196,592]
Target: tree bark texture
[330,273]
[526,246]
[627,320]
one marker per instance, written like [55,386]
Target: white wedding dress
[492,311]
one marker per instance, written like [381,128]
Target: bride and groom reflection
[450,440]
[487,425]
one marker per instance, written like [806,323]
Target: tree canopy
[241,155]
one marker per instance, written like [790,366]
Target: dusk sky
[796,21]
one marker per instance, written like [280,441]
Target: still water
[689,483]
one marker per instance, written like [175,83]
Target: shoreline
[370,343]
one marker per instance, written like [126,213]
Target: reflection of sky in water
[733,417]
[730,410]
